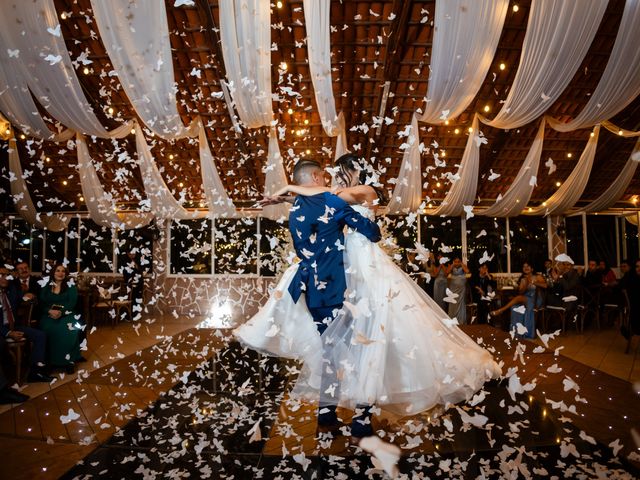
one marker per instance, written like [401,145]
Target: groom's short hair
[303,170]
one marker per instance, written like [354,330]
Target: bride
[393,346]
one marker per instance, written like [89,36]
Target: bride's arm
[300,190]
[358,195]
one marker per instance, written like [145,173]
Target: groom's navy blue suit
[316,224]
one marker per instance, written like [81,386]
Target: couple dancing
[366,333]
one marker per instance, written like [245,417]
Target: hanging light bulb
[502,66]
[569,155]
[171,156]
[516,8]
[456,131]
[487,108]
[279,4]
[558,184]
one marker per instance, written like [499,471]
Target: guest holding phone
[58,302]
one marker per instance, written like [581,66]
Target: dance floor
[198,405]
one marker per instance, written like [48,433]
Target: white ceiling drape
[519,193]
[136,37]
[571,190]
[318,26]
[558,37]
[220,205]
[464,43]
[464,183]
[619,131]
[274,179]
[162,202]
[101,205]
[620,82]
[39,57]
[245,35]
[616,190]
[22,199]
[407,194]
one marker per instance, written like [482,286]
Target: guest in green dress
[59,321]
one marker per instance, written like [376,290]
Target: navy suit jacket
[316,224]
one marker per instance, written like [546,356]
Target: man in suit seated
[11,331]
[483,284]
[29,288]
[565,291]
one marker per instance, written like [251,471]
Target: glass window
[20,241]
[191,247]
[442,235]
[631,239]
[72,244]
[140,242]
[54,251]
[275,245]
[601,238]
[37,245]
[575,248]
[486,234]
[96,247]
[236,246]
[528,242]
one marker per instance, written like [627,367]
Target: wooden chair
[625,320]
[590,303]
[561,312]
[101,304]
[123,303]
[17,348]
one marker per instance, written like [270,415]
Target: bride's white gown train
[391,344]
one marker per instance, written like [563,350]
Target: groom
[316,224]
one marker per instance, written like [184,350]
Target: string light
[308,151]
[133,131]
[22,136]
[438,184]
[620,132]
[283,65]
[181,184]
[456,131]
[279,4]
[446,122]
[110,110]
[171,156]
[487,108]
[86,70]
[306,121]
[502,66]
[569,155]
[63,16]
[470,130]
[516,8]
[290,111]
[558,184]
[64,182]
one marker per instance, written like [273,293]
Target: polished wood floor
[130,366]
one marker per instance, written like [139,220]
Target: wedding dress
[390,345]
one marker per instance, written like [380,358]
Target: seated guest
[566,286]
[630,283]
[482,285]
[8,395]
[609,278]
[58,302]
[527,297]
[548,268]
[29,288]
[10,297]
[592,278]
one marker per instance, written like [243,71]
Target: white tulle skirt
[391,345]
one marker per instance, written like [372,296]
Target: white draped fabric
[317,22]
[136,37]
[162,202]
[100,204]
[220,205]
[571,190]
[615,191]
[465,183]
[22,199]
[407,194]
[275,178]
[341,141]
[519,193]
[39,57]
[245,35]
[619,131]
[465,40]
[620,82]
[558,37]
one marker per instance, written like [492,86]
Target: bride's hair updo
[349,165]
